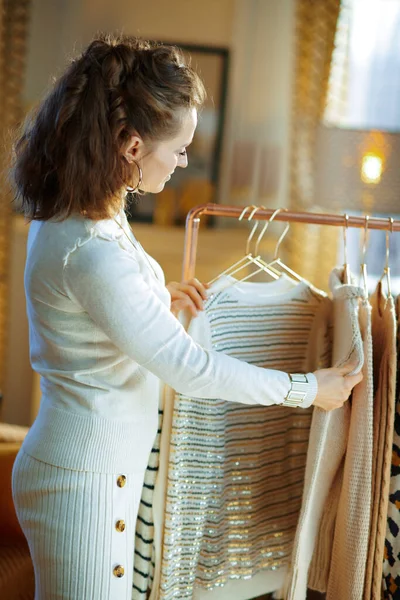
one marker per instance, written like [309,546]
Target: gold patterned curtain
[312,250]
[14,22]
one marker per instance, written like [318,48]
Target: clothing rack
[263,214]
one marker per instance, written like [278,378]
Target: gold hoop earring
[129,188]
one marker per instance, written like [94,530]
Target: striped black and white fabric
[144,535]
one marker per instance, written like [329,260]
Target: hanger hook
[245,210]
[242,214]
[253,212]
[345,228]
[364,250]
[283,235]
[388,232]
[364,255]
[264,229]
[249,218]
[387,266]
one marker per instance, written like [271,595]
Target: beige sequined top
[235,474]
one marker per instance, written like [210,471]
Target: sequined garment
[235,475]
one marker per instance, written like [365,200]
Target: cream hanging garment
[329,437]
[339,568]
[235,474]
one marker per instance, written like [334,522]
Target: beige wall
[60,27]
[55,29]
[207,22]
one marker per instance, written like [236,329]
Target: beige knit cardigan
[351,534]
[334,520]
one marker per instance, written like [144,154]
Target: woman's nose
[183,162]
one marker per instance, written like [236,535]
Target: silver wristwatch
[298,390]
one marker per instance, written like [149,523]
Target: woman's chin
[155,189]
[160,187]
[152,189]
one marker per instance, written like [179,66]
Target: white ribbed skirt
[74,523]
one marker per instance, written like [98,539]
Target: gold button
[121,481]
[119,571]
[120,525]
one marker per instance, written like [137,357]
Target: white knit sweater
[101,336]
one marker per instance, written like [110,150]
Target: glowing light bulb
[371,168]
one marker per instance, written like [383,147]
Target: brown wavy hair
[68,157]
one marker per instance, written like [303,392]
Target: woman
[101,330]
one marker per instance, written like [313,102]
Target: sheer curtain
[365,89]
[255,157]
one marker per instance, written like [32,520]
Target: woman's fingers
[195,290]
[192,293]
[182,300]
[352,380]
[348,368]
[334,387]
[200,287]
[179,305]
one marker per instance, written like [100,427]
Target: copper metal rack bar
[193,223]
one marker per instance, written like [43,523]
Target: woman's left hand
[188,294]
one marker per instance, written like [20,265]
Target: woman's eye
[182,153]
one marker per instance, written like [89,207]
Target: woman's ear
[133,148]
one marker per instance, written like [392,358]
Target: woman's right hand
[335,386]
